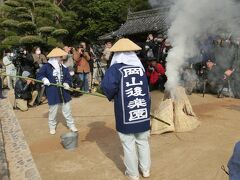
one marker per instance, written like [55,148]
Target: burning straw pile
[190,22]
[175,110]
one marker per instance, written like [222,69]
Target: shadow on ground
[107,140]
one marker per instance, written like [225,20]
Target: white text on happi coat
[137,106]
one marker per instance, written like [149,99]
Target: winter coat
[82,62]
[128,86]
[10,68]
[55,95]
[27,64]
[154,74]
[23,90]
[39,59]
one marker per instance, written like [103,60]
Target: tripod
[225,84]
[98,73]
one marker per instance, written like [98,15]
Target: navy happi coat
[128,86]
[55,95]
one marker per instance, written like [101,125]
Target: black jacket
[23,90]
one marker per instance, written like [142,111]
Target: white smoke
[191,20]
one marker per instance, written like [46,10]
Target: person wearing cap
[25,92]
[125,82]
[55,72]
[155,74]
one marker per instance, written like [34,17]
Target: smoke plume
[190,20]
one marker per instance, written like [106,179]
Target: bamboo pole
[52,84]
[73,89]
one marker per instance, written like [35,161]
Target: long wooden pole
[73,89]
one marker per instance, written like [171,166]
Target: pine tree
[30,22]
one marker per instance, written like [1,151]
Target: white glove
[46,82]
[71,73]
[66,86]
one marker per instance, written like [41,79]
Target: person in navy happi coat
[54,72]
[125,82]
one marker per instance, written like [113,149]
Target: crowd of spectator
[85,66]
[214,70]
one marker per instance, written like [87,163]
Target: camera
[18,56]
[147,47]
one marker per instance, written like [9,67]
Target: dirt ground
[196,155]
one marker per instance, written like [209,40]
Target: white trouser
[66,111]
[11,81]
[136,152]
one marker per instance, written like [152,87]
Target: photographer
[149,46]
[10,68]
[82,58]
[234,71]
[25,93]
[167,46]
[23,61]
[159,46]
[156,75]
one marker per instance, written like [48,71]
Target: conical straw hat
[57,52]
[123,45]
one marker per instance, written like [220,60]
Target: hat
[124,45]
[57,52]
[25,74]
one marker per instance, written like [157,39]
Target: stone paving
[20,162]
[4,173]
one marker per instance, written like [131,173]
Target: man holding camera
[25,92]
[23,61]
[82,58]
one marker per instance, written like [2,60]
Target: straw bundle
[165,113]
[177,111]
